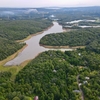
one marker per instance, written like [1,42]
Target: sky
[48,3]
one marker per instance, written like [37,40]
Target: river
[82,26]
[33,48]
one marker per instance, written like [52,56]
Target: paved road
[82,95]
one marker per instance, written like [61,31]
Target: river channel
[33,48]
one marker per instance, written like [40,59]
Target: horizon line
[54,7]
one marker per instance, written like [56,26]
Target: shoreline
[30,36]
[12,56]
[27,61]
[2,63]
[25,39]
[62,47]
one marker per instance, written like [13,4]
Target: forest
[53,76]
[8,47]
[89,37]
[12,30]
[20,29]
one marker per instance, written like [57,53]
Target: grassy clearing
[13,69]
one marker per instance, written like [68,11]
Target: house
[54,71]
[77,91]
[85,82]
[79,54]
[87,78]
[36,98]
[80,84]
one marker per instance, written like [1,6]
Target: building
[36,98]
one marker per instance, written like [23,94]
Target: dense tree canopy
[19,29]
[8,47]
[82,37]
[53,76]
[12,30]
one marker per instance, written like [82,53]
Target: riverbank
[34,48]
[30,36]
[20,50]
[12,56]
[27,61]
[62,47]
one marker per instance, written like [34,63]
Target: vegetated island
[89,38]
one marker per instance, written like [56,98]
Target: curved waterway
[33,48]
